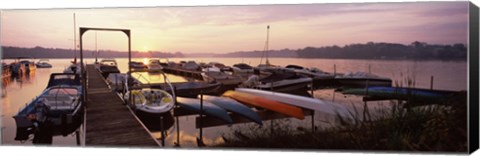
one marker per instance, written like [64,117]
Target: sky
[221,29]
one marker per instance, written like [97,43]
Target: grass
[430,128]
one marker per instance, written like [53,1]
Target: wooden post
[431,82]
[177,122]
[162,131]
[313,121]
[334,70]
[311,88]
[200,140]
[77,136]
[369,68]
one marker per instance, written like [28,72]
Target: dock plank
[108,121]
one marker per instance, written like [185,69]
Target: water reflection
[448,75]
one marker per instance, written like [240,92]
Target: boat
[234,106]
[148,101]
[58,106]
[260,101]
[411,94]
[138,66]
[107,66]
[362,79]
[43,63]
[300,101]
[73,68]
[117,81]
[6,72]
[154,66]
[191,65]
[194,104]
[214,74]
[17,69]
[189,89]
[278,81]
[220,66]
[29,65]
[320,78]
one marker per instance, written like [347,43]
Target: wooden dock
[108,121]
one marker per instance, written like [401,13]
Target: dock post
[313,121]
[311,88]
[162,131]
[77,135]
[200,139]
[334,70]
[177,122]
[431,82]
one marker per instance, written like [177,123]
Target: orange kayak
[272,105]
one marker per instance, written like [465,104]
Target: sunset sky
[220,29]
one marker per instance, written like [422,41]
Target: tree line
[10,52]
[416,51]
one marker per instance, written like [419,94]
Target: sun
[145,49]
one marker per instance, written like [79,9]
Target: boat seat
[59,102]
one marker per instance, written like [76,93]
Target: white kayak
[301,101]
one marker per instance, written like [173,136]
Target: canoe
[234,106]
[210,109]
[260,101]
[402,93]
[300,101]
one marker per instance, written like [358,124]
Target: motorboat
[29,65]
[220,66]
[242,69]
[6,73]
[154,102]
[73,68]
[191,65]
[117,81]
[43,63]
[138,66]
[154,66]
[214,74]
[57,107]
[107,66]
[320,78]
[278,81]
[17,69]
[190,89]
[362,79]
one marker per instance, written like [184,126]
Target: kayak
[209,109]
[234,106]
[259,101]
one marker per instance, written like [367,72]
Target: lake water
[447,76]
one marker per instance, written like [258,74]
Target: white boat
[29,65]
[214,74]
[320,78]
[73,68]
[301,101]
[280,82]
[150,101]
[59,105]
[117,81]
[43,63]
[362,79]
[107,66]
[154,66]
[242,69]
[138,66]
[191,65]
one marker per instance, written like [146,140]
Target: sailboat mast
[74,37]
[268,31]
[96,49]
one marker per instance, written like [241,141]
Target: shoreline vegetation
[434,128]
[384,51]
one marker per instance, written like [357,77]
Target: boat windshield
[243,66]
[62,91]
